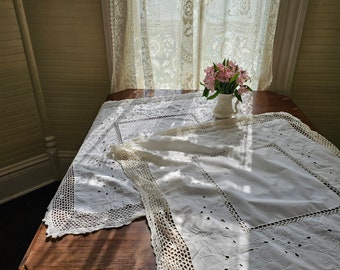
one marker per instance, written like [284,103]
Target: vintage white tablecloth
[254,192]
[95,193]
[257,192]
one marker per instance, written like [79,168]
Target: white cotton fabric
[255,192]
[95,193]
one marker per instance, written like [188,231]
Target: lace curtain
[168,44]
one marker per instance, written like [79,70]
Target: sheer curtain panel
[168,44]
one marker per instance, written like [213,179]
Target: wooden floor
[20,219]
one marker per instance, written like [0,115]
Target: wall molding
[13,168]
[32,66]
[35,172]
[25,176]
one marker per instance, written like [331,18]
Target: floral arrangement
[225,78]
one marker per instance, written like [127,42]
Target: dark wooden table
[128,247]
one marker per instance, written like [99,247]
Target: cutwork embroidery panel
[93,177]
[228,186]
[254,217]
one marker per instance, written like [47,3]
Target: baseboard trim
[13,168]
[26,178]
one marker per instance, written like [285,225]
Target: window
[168,44]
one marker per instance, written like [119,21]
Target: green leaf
[214,95]
[205,92]
[232,86]
[234,77]
[215,67]
[224,88]
[218,86]
[248,88]
[237,95]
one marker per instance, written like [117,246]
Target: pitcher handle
[235,105]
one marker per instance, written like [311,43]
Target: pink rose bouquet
[225,78]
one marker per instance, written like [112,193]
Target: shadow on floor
[20,219]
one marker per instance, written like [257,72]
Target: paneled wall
[20,133]
[316,83]
[69,48]
[68,41]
